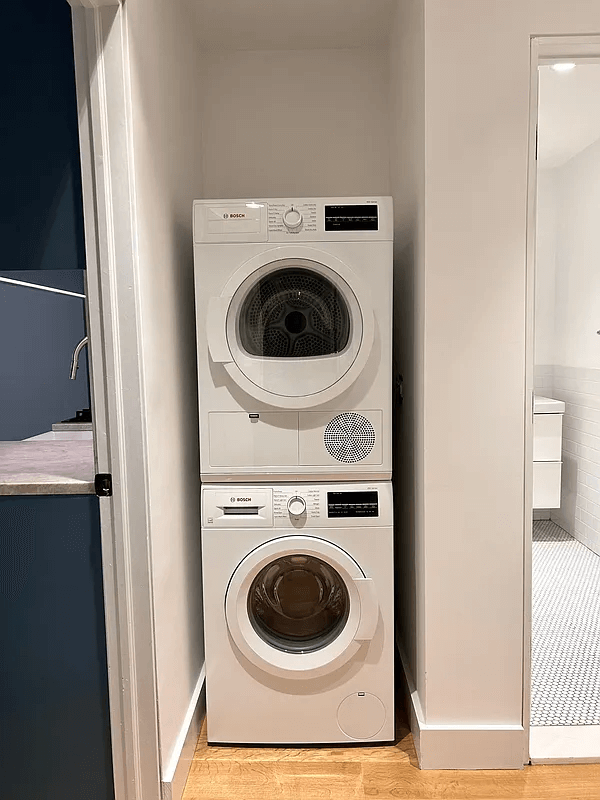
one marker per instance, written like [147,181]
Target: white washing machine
[298,613]
[294,327]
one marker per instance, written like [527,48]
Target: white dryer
[294,328]
[298,613]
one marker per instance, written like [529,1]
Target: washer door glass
[298,603]
[294,313]
[299,607]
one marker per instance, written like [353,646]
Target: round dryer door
[295,331]
[299,607]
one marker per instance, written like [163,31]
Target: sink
[60,435]
[545,405]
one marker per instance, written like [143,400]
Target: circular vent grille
[349,437]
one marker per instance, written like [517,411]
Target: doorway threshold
[564,744]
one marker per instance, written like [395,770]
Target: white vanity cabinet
[547,451]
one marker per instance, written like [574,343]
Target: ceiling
[291,24]
[569,113]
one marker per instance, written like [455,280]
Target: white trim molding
[176,773]
[586,49]
[455,746]
[117,392]
[543,50]
[529,387]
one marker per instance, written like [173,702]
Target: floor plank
[534,783]
[255,780]
[403,750]
[360,773]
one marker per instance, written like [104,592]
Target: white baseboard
[471,747]
[412,701]
[176,773]
[462,746]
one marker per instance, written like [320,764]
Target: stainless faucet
[75,359]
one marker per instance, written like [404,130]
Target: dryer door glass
[298,603]
[294,330]
[294,313]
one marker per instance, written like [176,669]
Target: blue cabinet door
[54,722]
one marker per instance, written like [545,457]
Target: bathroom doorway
[565,484]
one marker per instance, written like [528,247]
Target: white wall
[573,365]
[295,123]
[545,267]
[477,114]
[407,156]
[290,25]
[578,261]
[576,378]
[166,126]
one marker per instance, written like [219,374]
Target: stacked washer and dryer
[294,327]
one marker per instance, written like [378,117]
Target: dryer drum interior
[298,603]
[294,312]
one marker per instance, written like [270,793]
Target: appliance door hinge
[103,484]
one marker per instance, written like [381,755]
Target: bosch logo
[225,216]
[244,499]
[237,216]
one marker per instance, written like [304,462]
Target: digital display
[352,218]
[352,504]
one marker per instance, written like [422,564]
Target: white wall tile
[579,514]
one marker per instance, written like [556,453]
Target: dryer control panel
[317,219]
[297,506]
[292,217]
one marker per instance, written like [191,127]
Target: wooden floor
[242,773]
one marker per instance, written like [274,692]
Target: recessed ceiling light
[563,66]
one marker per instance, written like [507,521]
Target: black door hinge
[103,485]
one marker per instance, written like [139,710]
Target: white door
[300,607]
[293,327]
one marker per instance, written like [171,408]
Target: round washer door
[300,607]
[293,327]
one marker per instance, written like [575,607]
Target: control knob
[292,218]
[296,506]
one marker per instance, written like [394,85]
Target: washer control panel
[291,503]
[296,506]
[292,218]
[352,504]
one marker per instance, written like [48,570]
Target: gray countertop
[72,426]
[47,467]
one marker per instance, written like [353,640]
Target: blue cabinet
[54,721]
